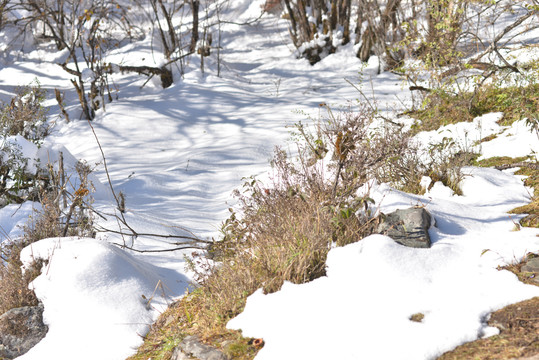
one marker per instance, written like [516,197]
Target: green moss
[499,160]
[240,348]
[444,108]
[531,180]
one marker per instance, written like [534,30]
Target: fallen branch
[167,236]
[493,47]
[534,166]
[164,73]
[494,44]
[419,88]
[161,250]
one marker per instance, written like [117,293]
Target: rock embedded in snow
[191,347]
[20,330]
[532,266]
[408,227]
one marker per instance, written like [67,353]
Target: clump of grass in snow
[26,116]
[531,180]
[287,227]
[13,281]
[516,95]
[48,222]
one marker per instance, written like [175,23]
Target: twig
[534,166]
[494,43]
[168,236]
[374,109]
[161,250]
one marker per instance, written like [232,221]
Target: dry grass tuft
[13,281]
[50,221]
[518,324]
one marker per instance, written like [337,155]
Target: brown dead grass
[518,324]
[14,282]
[519,335]
[286,228]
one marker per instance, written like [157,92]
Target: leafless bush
[62,213]
[86,29]
[314,26]
[50,221]
[25,114]
[3,6]
[65,210]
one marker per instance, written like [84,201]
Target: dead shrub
[284,229]
[25,114]
[53,220]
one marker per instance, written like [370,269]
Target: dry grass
[48,222]
[516,268]
[517,339]
[24,114]
[13,281]
[518,324]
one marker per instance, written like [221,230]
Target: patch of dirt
[518,338]
[519,329]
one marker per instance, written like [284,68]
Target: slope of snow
[99,294]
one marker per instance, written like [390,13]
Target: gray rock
[20,330]
[407,227]
[532,265]
[191,347]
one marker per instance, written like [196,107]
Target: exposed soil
[519,330]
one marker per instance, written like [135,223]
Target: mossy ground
[518,324]
[443,108]
[518,337]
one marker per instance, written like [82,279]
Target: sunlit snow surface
[178,153]
[98,299]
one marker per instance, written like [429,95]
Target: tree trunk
[194,35]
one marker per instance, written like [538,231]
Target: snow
[177,154]
[100,294]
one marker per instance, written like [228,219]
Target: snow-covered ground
[178,153]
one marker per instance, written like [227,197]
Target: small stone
[417,317]
[191,347]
